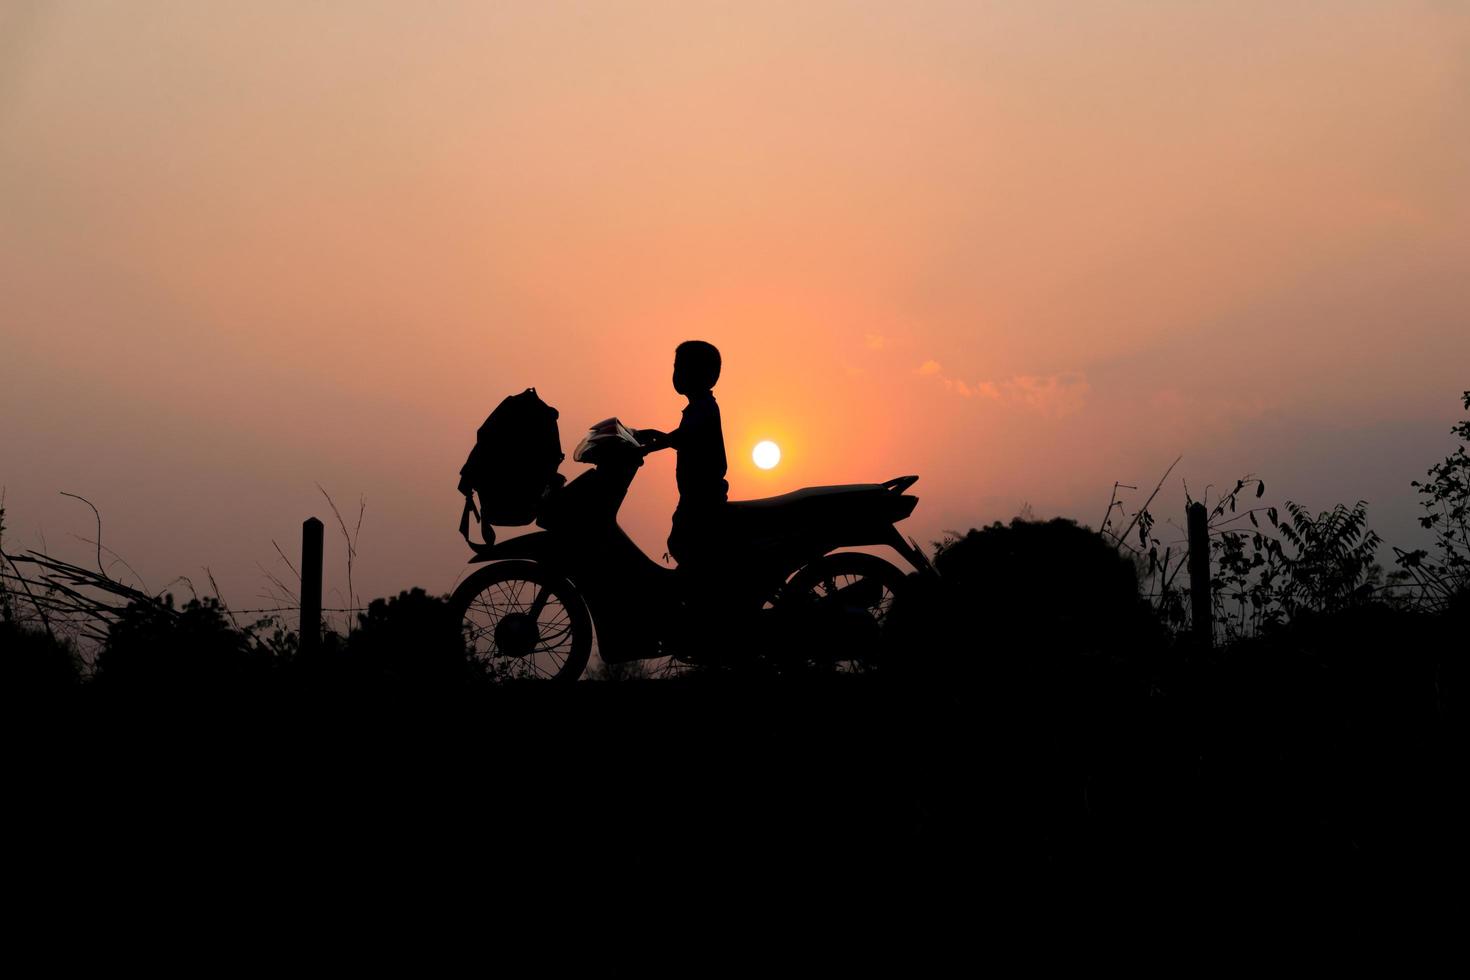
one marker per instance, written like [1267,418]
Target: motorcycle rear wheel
[524,622]
[874,585]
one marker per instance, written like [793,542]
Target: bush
[1444,576]
[411,638]
[32,661]
[1032,599]
[152,645]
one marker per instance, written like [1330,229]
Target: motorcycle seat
[806,495]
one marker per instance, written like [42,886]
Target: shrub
[1031,598]
[1444,576]
[152,645]
[32,661]
[411,638]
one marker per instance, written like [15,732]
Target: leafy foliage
[410,638]
[154,645]
[36,661]
[631,670]
[7,612]
[1333,564]
[1261,576]
[1445,499]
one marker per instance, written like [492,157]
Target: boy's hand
[653,440]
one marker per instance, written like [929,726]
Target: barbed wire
[1275,593]
[296,609]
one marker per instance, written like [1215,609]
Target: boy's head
[696,367]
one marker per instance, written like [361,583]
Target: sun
[766,454]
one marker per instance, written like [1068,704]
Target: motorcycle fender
[536,546]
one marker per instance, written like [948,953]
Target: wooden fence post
[1201,613]
[311,584]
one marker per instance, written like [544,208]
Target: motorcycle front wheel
[523,622]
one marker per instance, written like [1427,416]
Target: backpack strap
[480,550]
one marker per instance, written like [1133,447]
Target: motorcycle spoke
[508,593]
[550,639]
[548,667]
[557,665]
[512,592]
[558,615]
[549,652]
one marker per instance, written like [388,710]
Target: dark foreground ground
[970,814]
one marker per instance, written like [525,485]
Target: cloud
[1051,395]
[876,341]
[1217,413]
[1055,395]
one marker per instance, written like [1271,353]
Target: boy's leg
[711,614]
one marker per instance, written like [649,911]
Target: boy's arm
[653,440]
[670,440]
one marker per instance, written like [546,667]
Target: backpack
[511,467]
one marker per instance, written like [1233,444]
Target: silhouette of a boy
[700,472]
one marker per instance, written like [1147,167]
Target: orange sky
[1023,249]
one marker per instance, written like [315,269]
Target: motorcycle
[533,611]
